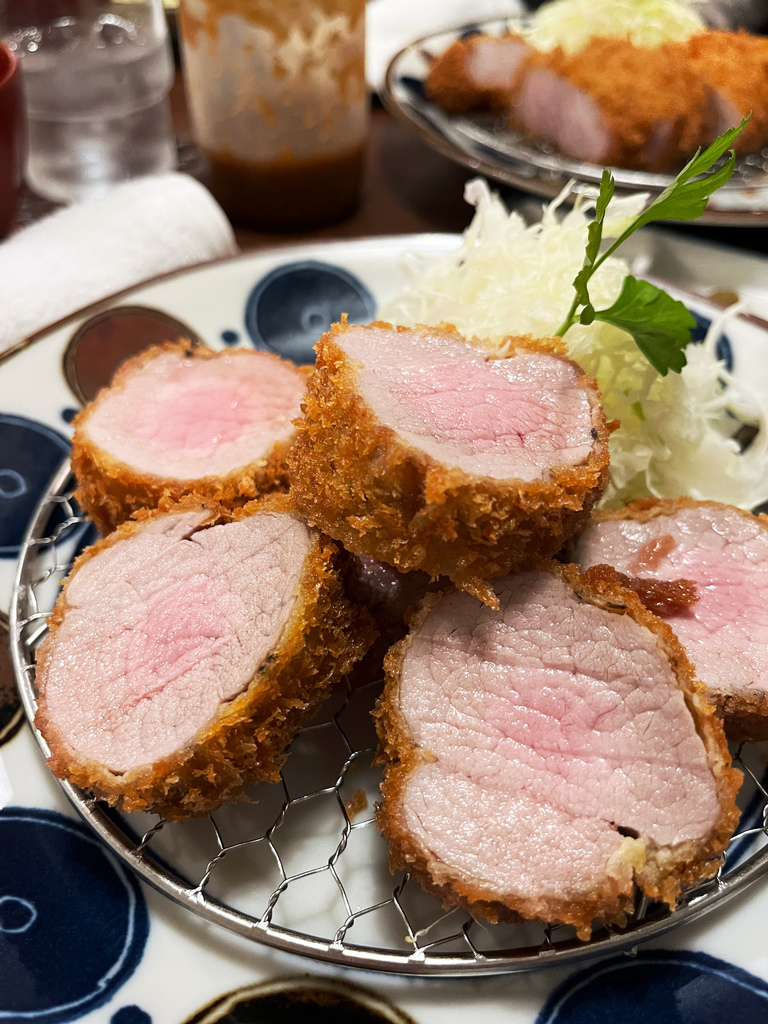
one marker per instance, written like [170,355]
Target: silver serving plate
[487,146]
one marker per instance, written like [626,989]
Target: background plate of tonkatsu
[225,868]
[485,143]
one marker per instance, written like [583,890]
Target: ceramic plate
[82,938]
[483,143]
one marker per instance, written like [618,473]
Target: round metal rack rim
[421,960]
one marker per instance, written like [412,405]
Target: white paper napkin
[392,24]
[91,250]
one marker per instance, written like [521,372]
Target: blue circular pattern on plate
[659,986]
[30,453]
[230,337]
[16,915]
[130,1015]
[73,922]
[415,86]
[69,414]
[723,348]
[294,305]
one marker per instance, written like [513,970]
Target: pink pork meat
[616,104]
[187,648]
[547,757]
[419,450]
[724,551]
[180,419]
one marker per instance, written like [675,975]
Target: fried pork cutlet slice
[724,551]
[735,66]
[419,450]
[181,419]
[547,758]
[187,648]
[479,73]
[616,104]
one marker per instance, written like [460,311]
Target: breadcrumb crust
[661,872]
[735,64]
[357,481]
[111,491]
[245,741]
[450,86]
[637,90]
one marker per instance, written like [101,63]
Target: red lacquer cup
[11,138]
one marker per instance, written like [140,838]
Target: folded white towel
[91,250]
[393,24]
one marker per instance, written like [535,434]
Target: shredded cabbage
[508,278]
[570,24]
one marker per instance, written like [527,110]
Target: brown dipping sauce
[289,195]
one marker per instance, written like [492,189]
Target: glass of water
[96,77]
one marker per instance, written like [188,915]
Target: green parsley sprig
[660,325]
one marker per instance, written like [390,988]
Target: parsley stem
[619,241]
[569,320]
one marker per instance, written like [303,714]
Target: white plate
[133,956]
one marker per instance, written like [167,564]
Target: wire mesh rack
[301,866]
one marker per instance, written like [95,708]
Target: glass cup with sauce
[277,95]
